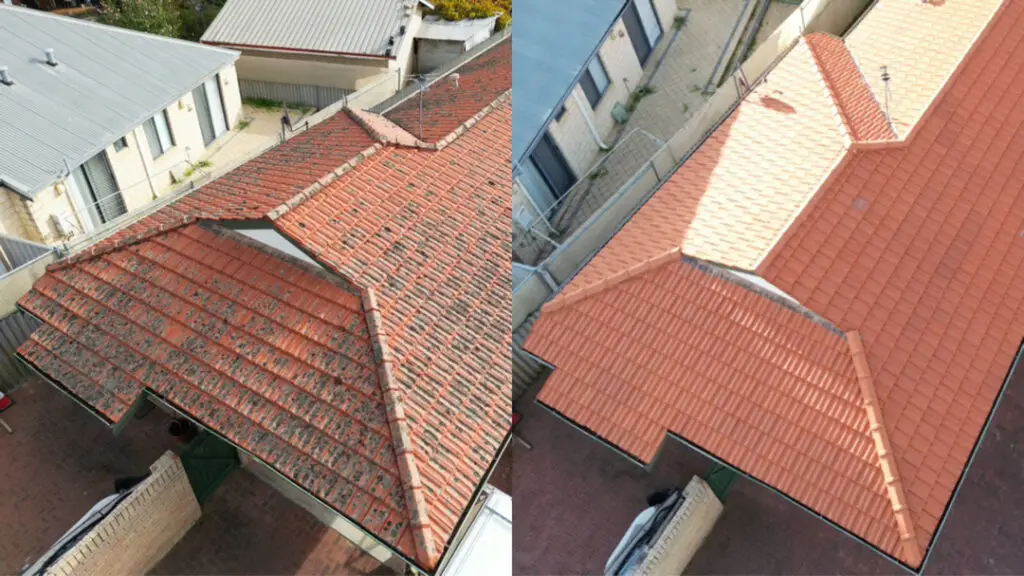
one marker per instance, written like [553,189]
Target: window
[120,144]
[561,113]
[594,81]
[158,133]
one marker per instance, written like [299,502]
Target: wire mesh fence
[542,234]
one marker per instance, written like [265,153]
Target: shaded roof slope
[428,232]
[358,27]
[446,105]
[686,348]
[919,248]
[269,352]
[71,111]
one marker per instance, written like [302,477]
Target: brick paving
[249,528]
[574,498]
[58,463]
[61,460]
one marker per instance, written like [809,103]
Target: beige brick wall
[14,217]
[51,200]
[685,532]
[141,530]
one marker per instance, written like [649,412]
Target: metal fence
[15,253]
[14,330]
[318,97]
[526,370]
[635,153]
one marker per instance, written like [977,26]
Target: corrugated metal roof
[337,26]
[434,28]
[550,46]
[108,81]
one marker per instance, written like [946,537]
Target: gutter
[298,50]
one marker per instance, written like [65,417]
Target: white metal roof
[358,27]
[108,81]
[487,548]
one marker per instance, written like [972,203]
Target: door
[94,183]
[208,461]
[549,163]
[635,29]
[210,110]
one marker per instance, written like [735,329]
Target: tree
[455,10]
[185,19]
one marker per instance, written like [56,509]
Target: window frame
[159,143]
[588,76]
[120,144]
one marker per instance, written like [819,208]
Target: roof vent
[50,58]
[391,41]
[453,79]
[387,52]
[401,30]
[5,77]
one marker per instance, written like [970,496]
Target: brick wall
[141,530]
[684,533]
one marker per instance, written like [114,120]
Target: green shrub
[455,10]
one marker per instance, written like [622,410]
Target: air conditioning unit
[62,223]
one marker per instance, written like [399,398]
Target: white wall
[334,72]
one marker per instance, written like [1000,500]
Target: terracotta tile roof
[272,354]
[861,115]
[920,43]
[447,105]
[728,203]
[913,247]
[686,348]
[380,383]
[919,249]
[428,231]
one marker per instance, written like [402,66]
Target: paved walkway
[688,58]
[575,497]
[61,460]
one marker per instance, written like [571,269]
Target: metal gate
[208,460]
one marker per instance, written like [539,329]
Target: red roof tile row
[912,250]
[379,382]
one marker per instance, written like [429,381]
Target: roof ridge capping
[912,553]
[95,250]
[416,503]
[324,181]
[861,118]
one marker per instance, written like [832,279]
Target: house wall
[140,177]
[310,70]
[404,61]
[14,217]
[141,530]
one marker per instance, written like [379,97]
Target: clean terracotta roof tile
[903,244]
[732,372]
[932,255]
[737,193]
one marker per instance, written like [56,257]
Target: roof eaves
[890,474]
[427,553]
[324,181]
[562,301]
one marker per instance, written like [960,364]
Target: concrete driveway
[574,498]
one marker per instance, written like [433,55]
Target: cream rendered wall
[404,61]
[229,92]
[571,133]
[53,199]
[130,172]
[336,72]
